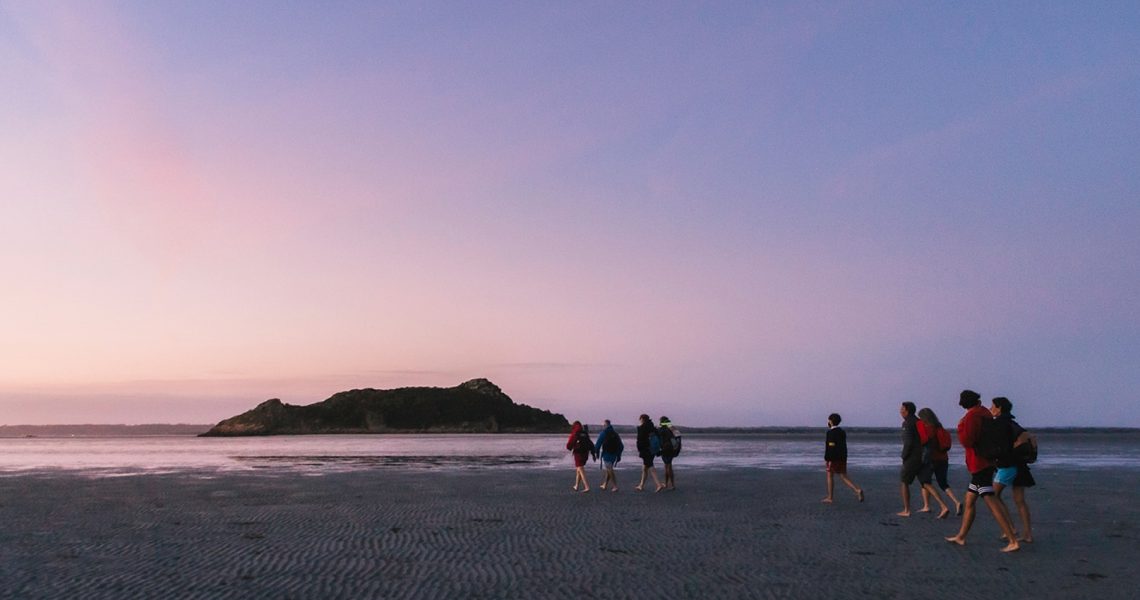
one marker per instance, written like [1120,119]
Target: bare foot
[659,488]
[826,501]
[956,540]
[585,490]
[575,488]
[905,513]
[860,494]
[924,509]
[958,509]
[1012,547]
[637,488]
[603,486]
[1026,540]
[613,489]
[945,513]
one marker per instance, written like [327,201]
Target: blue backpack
[654,444]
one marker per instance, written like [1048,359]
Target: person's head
[585,428]
[927,416]
[664,421]
[643,418]
[907,409]
[969,399]
[834,419]
[605,423]
[576,424]
[1001,406]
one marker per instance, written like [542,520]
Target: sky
[731,213]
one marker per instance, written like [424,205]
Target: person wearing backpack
[981,472]
[582,448]
[648,446]
[1012,468]
[939,456]
[610,446]
[670,447]
[929,441]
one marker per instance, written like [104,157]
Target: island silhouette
[475,406]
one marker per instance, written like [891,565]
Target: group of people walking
[662,441]
[998,452]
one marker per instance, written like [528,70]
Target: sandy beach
[737,533]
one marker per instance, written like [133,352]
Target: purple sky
[730,213]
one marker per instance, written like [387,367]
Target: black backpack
[670,444]
[993,440]
[611,443]
[582,443]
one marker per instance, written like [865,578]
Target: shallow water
[317,454]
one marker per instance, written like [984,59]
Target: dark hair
[834,418]
[930,418]
[1005,405]
[969,399]
[643,417]
[910,408]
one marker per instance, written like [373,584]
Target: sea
[316,455]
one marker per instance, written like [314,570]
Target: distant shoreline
[159,429]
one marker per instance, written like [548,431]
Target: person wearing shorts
[1012,469]
[645,428]
[911,454]
[981,473]
[835,457]
[610,447]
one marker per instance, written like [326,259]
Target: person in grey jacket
[911,454]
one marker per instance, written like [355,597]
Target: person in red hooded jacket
[981,473]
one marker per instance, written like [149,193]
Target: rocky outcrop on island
[477,406]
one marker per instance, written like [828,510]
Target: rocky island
[477,406]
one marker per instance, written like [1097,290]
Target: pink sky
[733,219]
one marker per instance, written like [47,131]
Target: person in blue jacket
[610,446]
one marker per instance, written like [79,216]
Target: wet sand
[741,533]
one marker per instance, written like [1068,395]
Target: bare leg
[670,481]
[925,499]
[613,479]
[967,520]
[656,481]
[929,490]
[851,484]
[1001,514]
[1023,510]
[957,505]
[581,477]
[998,489]
[904,491]
[830,488]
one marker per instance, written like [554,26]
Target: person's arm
[829,449]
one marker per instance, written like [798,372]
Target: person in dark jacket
[1011,469]
[835,456]
[645,430]
[911,454]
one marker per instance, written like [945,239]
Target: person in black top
[835,455]
[645,449]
